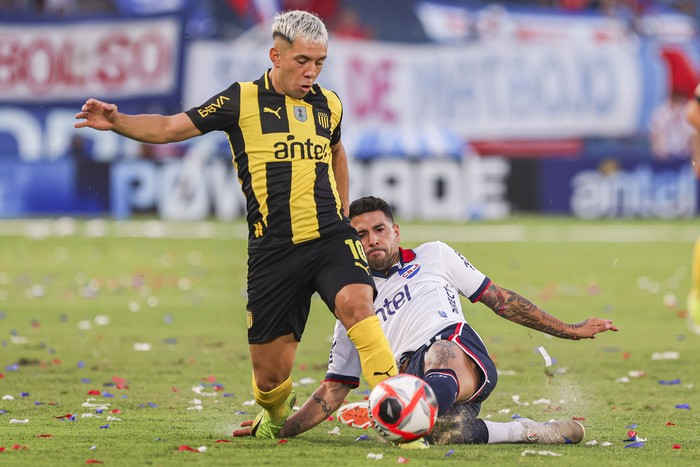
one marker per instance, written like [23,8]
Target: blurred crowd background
[454,109]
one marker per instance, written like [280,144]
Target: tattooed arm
[322,404]
[518,309]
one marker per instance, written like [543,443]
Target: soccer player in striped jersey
[419,308]
[284,131]
[693,116]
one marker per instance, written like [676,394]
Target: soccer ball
[402,408]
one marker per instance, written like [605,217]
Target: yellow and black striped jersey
[282,152]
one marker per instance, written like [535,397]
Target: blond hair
[297,23]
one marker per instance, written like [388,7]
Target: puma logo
[377,373]
[268,110]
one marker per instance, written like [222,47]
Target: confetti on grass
[545,355]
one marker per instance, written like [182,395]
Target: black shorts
[282,281]
[471,344]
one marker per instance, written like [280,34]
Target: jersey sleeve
[220,112]
[336,107]
[470,282]
[343,361]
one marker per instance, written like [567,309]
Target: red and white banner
[51,62]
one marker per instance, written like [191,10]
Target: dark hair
[369,204]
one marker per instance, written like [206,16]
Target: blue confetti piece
[3,315]
[449,453]
[107,395]
[124,396]
[363,392]
[38,403]
[168,319]
[80,365]
[362,438]
[52,351]
[670,382]
[104,427]
[72,418]
[170,341]
[633,425]
[153,405]
[227,394]
[635,445]
[86,380]
[515,415]
[683,406]
[24,394]
[3,411]
[13,367]
[98,411]
[241,412]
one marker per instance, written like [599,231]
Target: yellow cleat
[419,443]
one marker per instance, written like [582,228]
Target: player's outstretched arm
[323,402]
[153,128]
[518,309]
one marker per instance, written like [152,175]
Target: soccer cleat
[263,427]
[354,415]
[554,432]
[420,443]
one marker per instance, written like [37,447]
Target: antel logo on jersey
[409,271]
[300,149]
[391,306]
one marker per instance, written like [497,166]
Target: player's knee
[351,308]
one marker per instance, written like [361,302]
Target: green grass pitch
[147,320]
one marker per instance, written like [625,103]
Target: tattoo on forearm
[324,406]
[514,307]
[291,429]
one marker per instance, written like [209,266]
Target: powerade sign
[595,189]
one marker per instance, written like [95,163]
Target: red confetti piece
[2,449]
[670,424]
[93,461]
[402,460]
[118,379]
[578,418]
[187,448]
[68,415]
[210,379]
[676,446]
[17,447]
[174,389]
[94,392]
[115,411]
[57,361]
[631,433]
[44,436]
[282,441]
[222,441]
[2,376]
[626,355]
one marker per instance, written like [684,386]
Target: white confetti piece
[102,320]
[8,397]
[249,402]
[142,346]
[374,456]
[113,419]
[195,407]
[531,452]
[305,381]
[18,340]
[134,307]
[19,422]
[665,356]
[591,442]
[89,415]
[202,449]
[334,431]
[624,379]
[199,390]
[636,373]
[101,406]
[84,325]
[516,399]
[606,443]
[506,372]
[541,401]
[195,401]
[545,355]
[504,411]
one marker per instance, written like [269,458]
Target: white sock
[509,432]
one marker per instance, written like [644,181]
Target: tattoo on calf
[324,406]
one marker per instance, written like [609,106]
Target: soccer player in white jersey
[420,313]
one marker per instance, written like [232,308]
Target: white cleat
[554,432]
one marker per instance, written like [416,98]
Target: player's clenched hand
[96,114]
[244,431]
[589,328]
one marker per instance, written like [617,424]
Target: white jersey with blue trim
[416,299]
